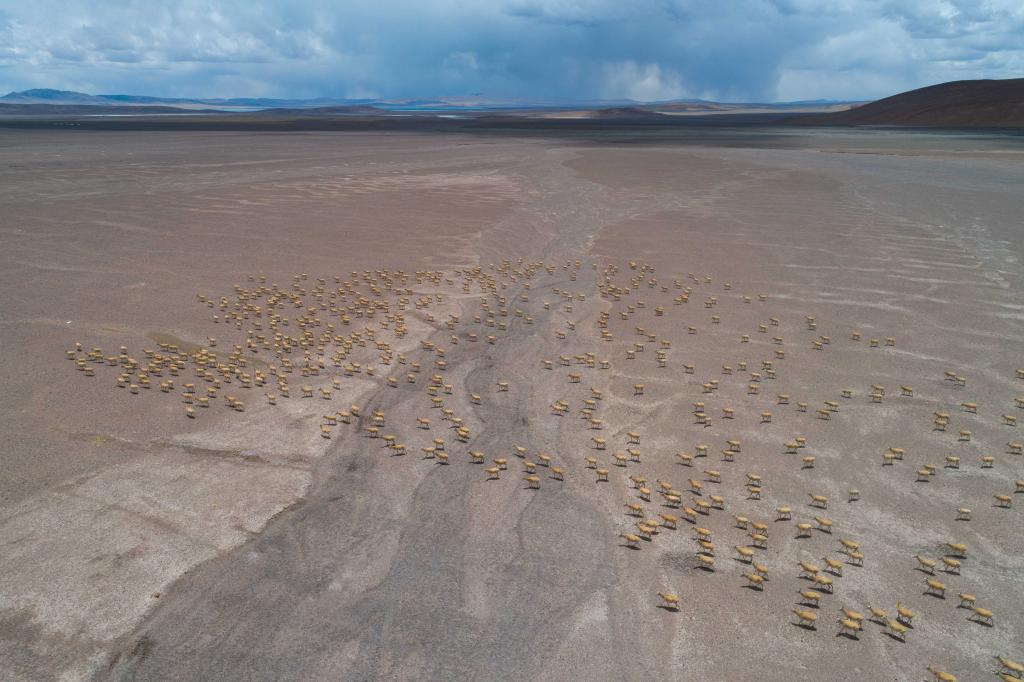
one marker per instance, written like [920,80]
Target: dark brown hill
[958,104]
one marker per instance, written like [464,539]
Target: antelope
[809,597]
[941,675]
[936,588]
[602,475]
[928,565]
[806,618]
[824,582]
[808,569]
[903,614]
[849,545]
[1015,668]
[818,501]
[982,615]
[850,627]
[834,566]
[898,629]
[755,581]
[669,601]
[632,540]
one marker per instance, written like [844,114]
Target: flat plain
[429,276]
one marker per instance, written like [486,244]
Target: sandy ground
[140,544]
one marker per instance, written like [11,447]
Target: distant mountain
[22,109]
[356,110]
[47,96]
[978,103]
[958,104]
[454,103]
[626,113]
[69,97]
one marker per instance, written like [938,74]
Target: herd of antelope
[323,333]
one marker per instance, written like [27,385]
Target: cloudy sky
[730,50]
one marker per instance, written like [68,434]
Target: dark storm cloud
[644,49]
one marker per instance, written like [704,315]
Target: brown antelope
[941,675]
[849,627]
[806,618]
[669,601]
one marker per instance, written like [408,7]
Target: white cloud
[642,49]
